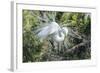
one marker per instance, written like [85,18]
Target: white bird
[58,36]
[54,30]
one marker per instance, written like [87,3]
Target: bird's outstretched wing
[48,30]
[44,32]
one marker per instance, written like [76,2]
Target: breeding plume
[52,30]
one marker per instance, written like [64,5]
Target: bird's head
[65,30]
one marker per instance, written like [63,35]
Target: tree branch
[84,44]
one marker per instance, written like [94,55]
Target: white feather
[54,30]
[59,37]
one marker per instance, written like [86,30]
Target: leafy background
[78,48]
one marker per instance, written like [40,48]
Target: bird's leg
[55,44]
[59,47]
[65,42]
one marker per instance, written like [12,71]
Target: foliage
[34,50]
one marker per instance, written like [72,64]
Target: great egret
[54,30]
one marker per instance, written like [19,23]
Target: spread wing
[47,30]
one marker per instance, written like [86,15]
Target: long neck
[60,37]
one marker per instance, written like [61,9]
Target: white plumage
[54,30]
[59,36]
